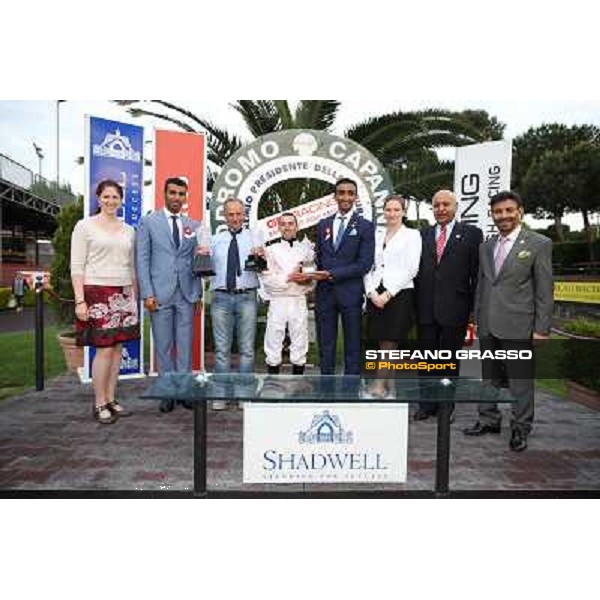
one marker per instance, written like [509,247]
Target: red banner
[179,154]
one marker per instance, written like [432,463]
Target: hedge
[568,253]
[28,300]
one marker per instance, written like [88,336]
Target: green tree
[60,271]
[530,146]
[566,180]
[554,168]
[544,188]
[583,185]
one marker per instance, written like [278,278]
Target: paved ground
[11,320]
[48,441]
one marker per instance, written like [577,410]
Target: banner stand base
[85,380]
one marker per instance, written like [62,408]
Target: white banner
[480,172]
[307,215]
[321,443]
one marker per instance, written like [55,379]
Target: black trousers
[433,336]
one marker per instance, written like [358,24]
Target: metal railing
[19,175]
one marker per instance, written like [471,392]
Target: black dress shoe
[186,404]
[518,441]
[166,406]
[421,415]
[481,429]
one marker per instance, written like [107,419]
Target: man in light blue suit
[165,247]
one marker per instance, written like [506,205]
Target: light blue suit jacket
[161,266]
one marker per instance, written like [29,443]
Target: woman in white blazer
[389,285]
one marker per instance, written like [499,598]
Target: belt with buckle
[235,292]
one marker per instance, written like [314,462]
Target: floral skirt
[113,316]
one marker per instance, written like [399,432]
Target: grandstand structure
[29,205]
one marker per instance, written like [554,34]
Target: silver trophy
[255,262]
[203,265]
[308,265]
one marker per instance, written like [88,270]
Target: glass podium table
[204,388]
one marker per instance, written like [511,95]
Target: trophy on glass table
[256,262]
[203,265]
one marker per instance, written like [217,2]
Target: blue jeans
[229,311]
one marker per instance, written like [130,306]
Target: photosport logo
[117,146]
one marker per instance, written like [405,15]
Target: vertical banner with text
[180,154]
[480,172]
[114,150]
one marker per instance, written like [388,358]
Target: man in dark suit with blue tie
[445,285]
[344,254]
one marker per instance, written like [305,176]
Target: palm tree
[404,142]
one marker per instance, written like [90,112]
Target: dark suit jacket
[352,260]
[518,301]
[445,292]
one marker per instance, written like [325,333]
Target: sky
[24,122]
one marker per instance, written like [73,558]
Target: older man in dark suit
[513,306]
[344,254]
[445,285]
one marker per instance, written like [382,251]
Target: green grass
[557,387]
[17,365]
[584,327]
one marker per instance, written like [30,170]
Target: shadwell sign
[319,443]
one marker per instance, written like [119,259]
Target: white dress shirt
[510,239]
[397,264]
[170,221]
[449,228]
[337,220]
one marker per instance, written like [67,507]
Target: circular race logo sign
[299,154]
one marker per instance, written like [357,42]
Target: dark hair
[345,180]
[397,197]
[289,214]
[506,195]
[109,183]
[175,181]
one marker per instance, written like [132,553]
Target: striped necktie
[441,243]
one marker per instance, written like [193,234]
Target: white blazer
[398,264]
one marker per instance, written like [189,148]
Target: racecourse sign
[299,154]
[480,172]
